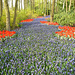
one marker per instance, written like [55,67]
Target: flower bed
[27,20]
[66,31]
[5,34]
[46,18]
[49,23]
[36,51]
[40,17]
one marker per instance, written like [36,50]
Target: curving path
[37,41]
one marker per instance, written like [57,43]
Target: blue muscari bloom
[40,34]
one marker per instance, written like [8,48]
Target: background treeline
[61,11]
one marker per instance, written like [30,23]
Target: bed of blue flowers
[35,50]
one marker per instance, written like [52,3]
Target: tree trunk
[70,5]
[74,5]
[24,6]
[12,4]
[45,7]
[33,5]
[56,6]
[52,11]
[0,8]
[50,5]
[15,14]
[39,6]
[7,15]
[42,5]
[66,6]
[63,4]
[19,5]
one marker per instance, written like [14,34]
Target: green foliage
[22,15]
[65,18]
[3,21]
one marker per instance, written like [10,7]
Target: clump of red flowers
[5,33]
[40,17]
[49,23]
[66,30]
[27,20]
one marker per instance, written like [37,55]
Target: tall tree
[12,4]
[42,5]
[74,5]
[63,4]
[70,5]
[33,5]
[24,5]
[0,8]
[39,6]
[56,6]
[50,5]
[7,15]
[45,7]
[15,14]
[19,5]
[66,6]
[52,11]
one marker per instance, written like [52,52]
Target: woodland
[37,37]
[63,12]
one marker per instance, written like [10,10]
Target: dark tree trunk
[0,8]
[15,14]
[7,15]
[52,11]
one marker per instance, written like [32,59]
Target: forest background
[13,11]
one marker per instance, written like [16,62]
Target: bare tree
[74,5]
[70,5]
[15,14]
[45,7]
[7,15]
[12,4]
[56,6]
[63,4]
[50,5]
[0,8]
[19,5]
[33,5]
[52,11]
[24,4]
[66,6]
[42,4]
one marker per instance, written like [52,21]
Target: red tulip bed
[4,34]
[27,20]
[49,23]
[66,31]
[40,17]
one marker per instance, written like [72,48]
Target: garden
[37,45]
